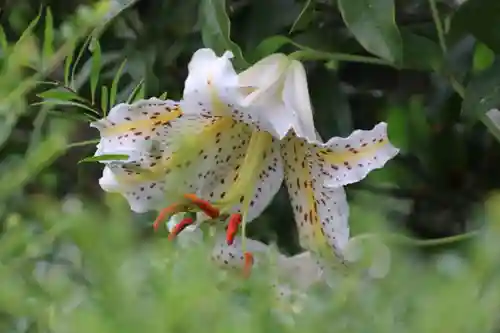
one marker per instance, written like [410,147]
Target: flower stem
[438,24]
[405,240]
[309,54]
[82,143]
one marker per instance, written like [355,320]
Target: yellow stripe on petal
[246,176]
[353,156]
[342,161]
[311,209]
[142,125]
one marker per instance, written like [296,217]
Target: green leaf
[76,116]
[67,68]
[60,94]
[397,120]
[95,69]
[108,157]
[104,99]
[372,23]
[48,37]
[29,30]
[114,84]
[216,30]
[482,93]
[420,52]
[77,61]
[483,57]
[137,93]
[163,96]
[409,128]
[269,46]
[4,44]
[67,103]
[481,19]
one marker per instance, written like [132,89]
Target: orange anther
[204,205]
[179,227]
[247,268]
[232,228]
[166,213]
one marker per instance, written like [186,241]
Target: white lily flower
[226,144]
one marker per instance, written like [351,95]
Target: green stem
[438,24]
[319,55]
[404,240]
[82,143]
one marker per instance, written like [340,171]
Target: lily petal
[211,85]
[342,161]
[108,181]
[141,180]
[296,98]
[212,89]
[263,76]
[321,213]
[231,256]
[135,126]
[226,163]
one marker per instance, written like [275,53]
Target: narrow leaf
[95,70]
[136,92]
[66,103]
[216,30]
[114,84]
[109,157]
[104,99]
[67,67]
[48,37]
[163,96]
[30,27]
[4,44]
[60,94]
[373,24]
[77,61]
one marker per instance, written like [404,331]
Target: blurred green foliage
[428,68]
